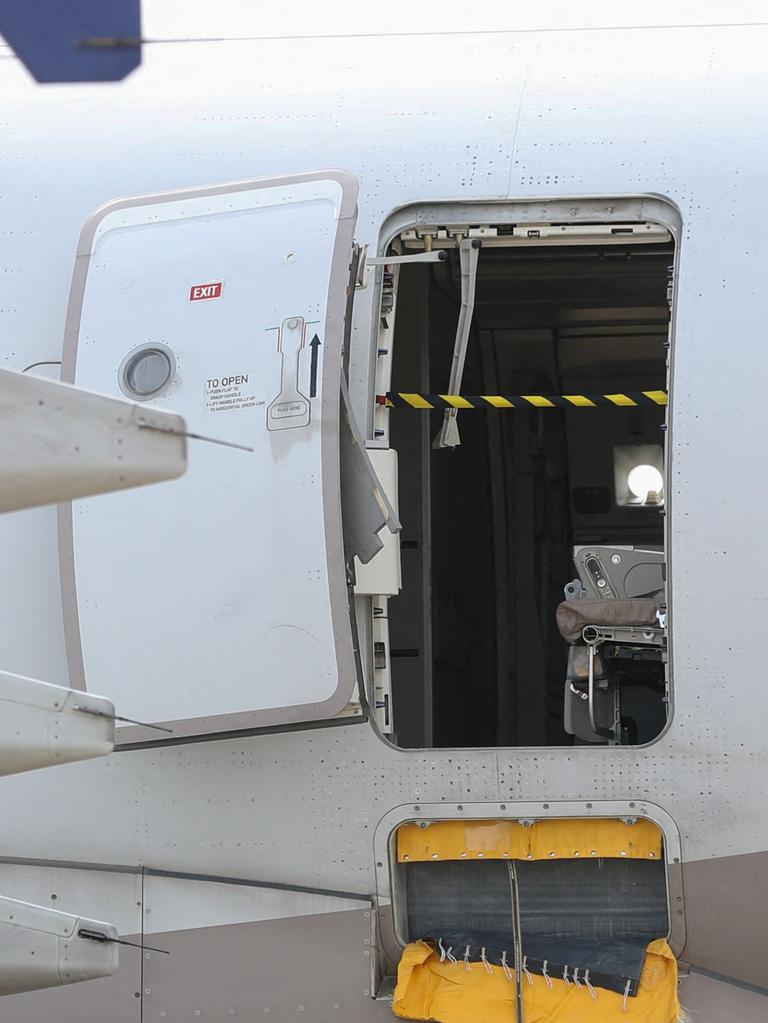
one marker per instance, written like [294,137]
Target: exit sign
[201,291]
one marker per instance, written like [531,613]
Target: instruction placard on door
[227,393]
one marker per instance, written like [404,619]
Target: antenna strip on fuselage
[631,399]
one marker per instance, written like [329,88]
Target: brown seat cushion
[573,615]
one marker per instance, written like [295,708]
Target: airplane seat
[618,572]
[573,616]
[613,643]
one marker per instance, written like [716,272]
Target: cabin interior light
[645,480]
[639,475]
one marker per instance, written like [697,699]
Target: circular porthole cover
[146,371]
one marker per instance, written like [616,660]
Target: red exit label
[200,291]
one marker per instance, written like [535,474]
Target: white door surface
[217,601]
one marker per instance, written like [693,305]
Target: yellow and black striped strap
[632,399]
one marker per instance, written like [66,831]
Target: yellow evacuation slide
[539,840]
[447,992]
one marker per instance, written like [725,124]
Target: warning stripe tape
[632,399]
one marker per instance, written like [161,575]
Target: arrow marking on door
[314,344]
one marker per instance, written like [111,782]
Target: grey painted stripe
[107,868]
[272,885]
[731,981]
[244,882]
[237,733]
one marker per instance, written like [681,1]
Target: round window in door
[147,371]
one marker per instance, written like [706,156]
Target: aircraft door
[219,601]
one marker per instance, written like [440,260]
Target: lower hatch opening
[542,913]
[533,601]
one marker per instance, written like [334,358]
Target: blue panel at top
[51,37]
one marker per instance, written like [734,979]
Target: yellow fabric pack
[545,839]
[449,993]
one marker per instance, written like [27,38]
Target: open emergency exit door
[220,601]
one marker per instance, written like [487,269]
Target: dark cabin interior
[489,526]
